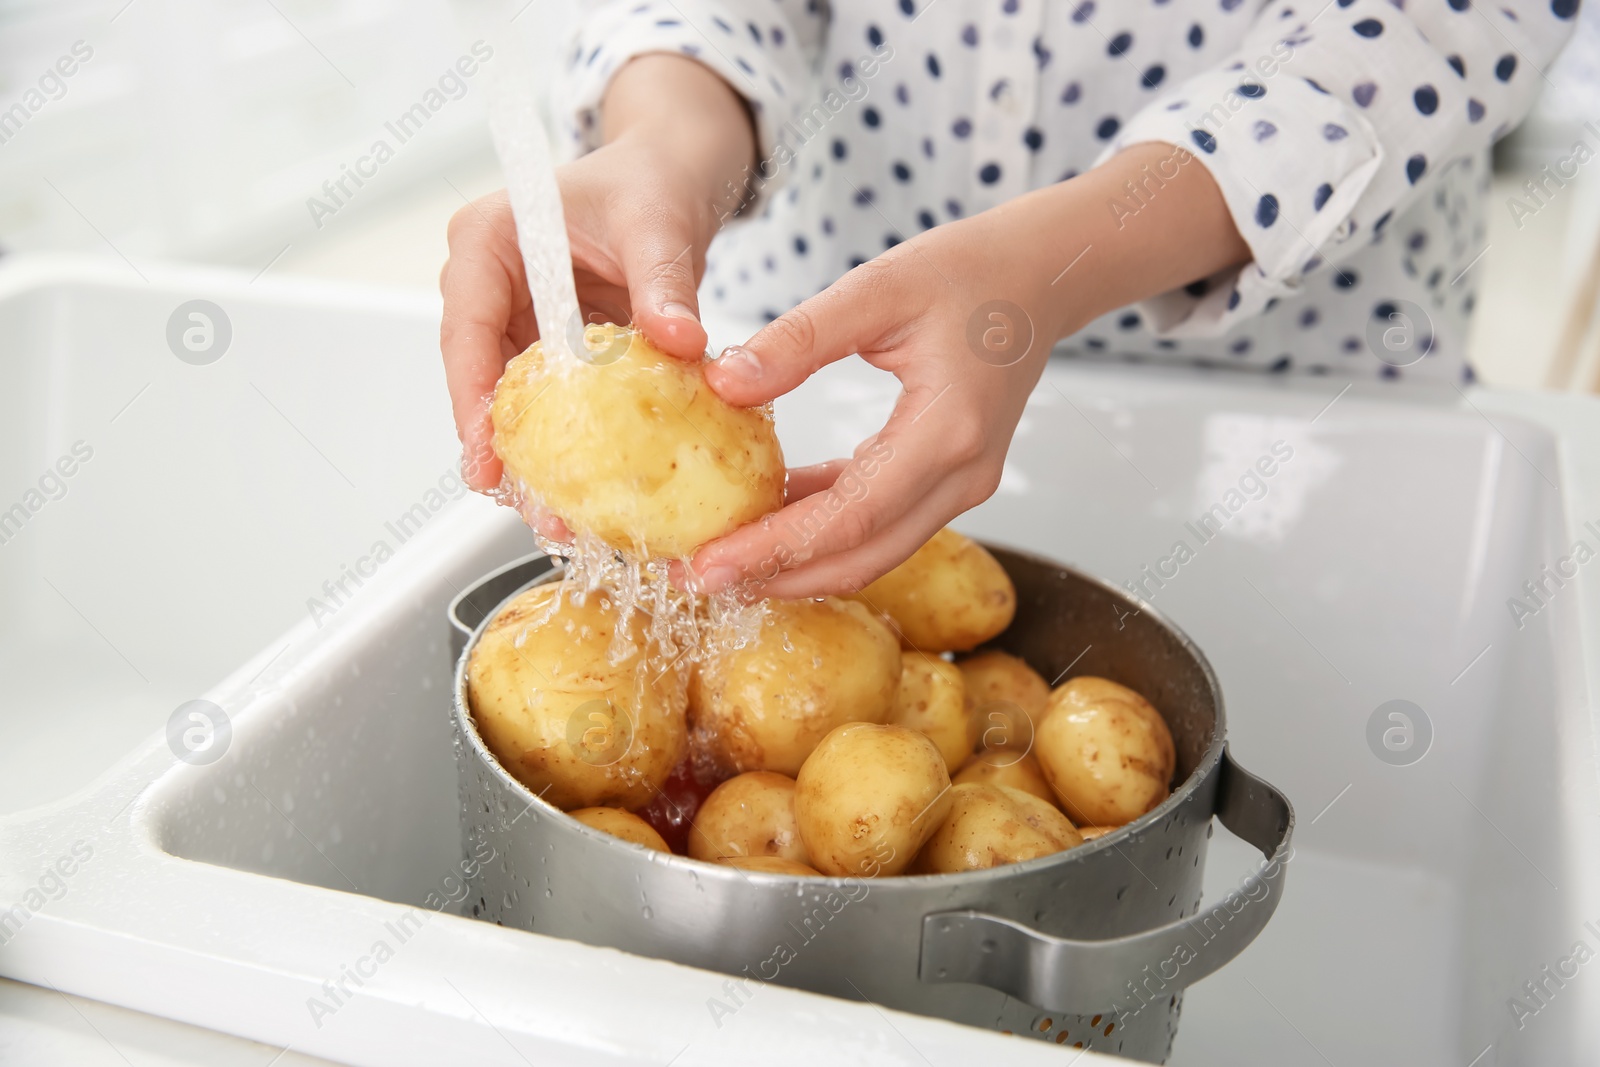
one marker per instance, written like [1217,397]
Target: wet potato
[1106,752]
[560,716]
[634,447]
[933,701]
[1008,699]
[1007,767]
[951,595]
[868,798]
[770,865]
[811,666]
[992,825]
[620,823]
[749,815]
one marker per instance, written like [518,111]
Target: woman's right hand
[640,211]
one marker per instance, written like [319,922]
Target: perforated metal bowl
[1092,946]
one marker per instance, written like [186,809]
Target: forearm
[688,117]
[1087,246]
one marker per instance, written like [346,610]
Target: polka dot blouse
[1349,138]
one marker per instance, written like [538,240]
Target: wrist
[680,115]
[1087,246]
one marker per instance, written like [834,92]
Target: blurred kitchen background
[198,132]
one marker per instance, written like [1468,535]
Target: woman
[1258,185]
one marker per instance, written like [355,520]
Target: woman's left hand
[964,315]
[931,312]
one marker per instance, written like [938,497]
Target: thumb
[662,279]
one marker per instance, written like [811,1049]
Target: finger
[483,289]
[804,481]
[847,573]
[660,266]
[847,317]
[550,525]
[885,481]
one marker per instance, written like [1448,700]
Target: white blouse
[1350,140]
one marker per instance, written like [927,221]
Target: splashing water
[683,628]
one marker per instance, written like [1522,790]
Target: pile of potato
[844,737]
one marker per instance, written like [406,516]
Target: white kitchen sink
[248,894]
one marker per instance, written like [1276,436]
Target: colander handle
[478,601]
[1123,973]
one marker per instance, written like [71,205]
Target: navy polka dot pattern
[1353,185]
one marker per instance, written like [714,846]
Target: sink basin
[304,888]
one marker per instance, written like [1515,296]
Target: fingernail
[716,577]
[679,311]
[740,363]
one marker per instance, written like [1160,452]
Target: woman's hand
[907,312]
[965,316]
[640,212]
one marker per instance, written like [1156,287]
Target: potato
[623,824]
[1105,751]
[634,448]
[991,825]
[810,666]
[565,720]
[1008,767]
[951,595]
[748,815]
[1091,832]
[869,797]
[1008,699]
[933,700]
[770,865]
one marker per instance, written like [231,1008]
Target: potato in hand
[632,446]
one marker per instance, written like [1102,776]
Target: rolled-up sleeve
[1331,119]
[764,51]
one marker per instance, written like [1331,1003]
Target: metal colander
[1089,948]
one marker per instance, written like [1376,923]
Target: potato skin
[1008,699]
[639,451]
[812,665]
[1007,767]
[869,797]
[1091,832]
[992,825]
[623,824]
[933,700]
[751,814]
[1106,752]
[563,719]
[770,865]
[951,595]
